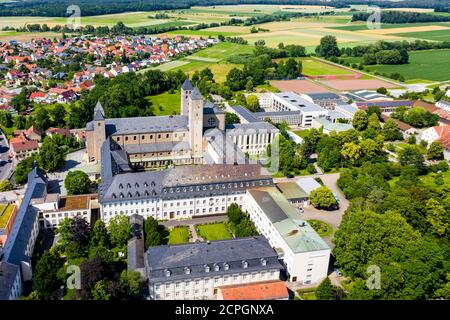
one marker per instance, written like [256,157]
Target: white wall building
[445,105]
[201,268]
[290,101]
[302,250]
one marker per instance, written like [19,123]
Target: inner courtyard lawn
[179,235]
[214,231]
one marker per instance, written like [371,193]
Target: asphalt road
[5,165]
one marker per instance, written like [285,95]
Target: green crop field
[313,67]
[427,65]
[359,26]
[203,33]
[222,51]
[165,104]
[436,35]
[214,231]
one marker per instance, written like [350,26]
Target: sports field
[298,86]
[342,85]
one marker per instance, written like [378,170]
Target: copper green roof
[291,190]
[295,231]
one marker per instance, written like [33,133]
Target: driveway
[5,165]
[56,179]
[334,217]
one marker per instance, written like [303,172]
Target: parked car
[290,176]
[301,210]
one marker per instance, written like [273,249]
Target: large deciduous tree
[77,182]
[322,198]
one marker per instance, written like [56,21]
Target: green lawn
[223,50]
[321,227]
[430,179]
[166,104]
[214,231]
[302,133]
[307,294]
[436,35]
[179,235]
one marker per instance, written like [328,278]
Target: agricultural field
[213,57]
[426,65]
[435,35]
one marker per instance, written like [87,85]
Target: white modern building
[290,101]
[303,251]
[252,138]
[197,271]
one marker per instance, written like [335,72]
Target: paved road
[5,165]
[334,217]
[194,221]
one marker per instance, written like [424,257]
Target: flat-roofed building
[293,193]
[252,138]
[303,251]
[290,101]
[327,100]
[197,270]
[57,208]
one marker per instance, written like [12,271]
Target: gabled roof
[266,290]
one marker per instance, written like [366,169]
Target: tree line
[402,17]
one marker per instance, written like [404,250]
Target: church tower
[196,125]
[186,91]
[99,131]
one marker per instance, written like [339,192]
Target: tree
[390,131]
[328,47]
[50,157]
[412,156]
[234,213]
[42,119]
[99,234]
[325,290]
[437,217]
[58,114]
[5,119]
[252,103]
[119,230]
[245,228]
[360,120]
[435,151]
[322,198]
[100,290]
[93,271]
[382,90]
[45,279]
[373,122]
[5,185]
[231,118]
[77,182]
[351,151]
[132,281]
[80,230]
[153,234]
[64,233]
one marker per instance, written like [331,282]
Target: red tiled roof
[444,135]
[61,131]
[268,290]
[24,145]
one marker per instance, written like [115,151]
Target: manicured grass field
[166,104]
[223,50]
[313,67]
[179,235]
[427,65]
[436,35]
[168,66]
[214,231]
[301,133]
[321,227]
